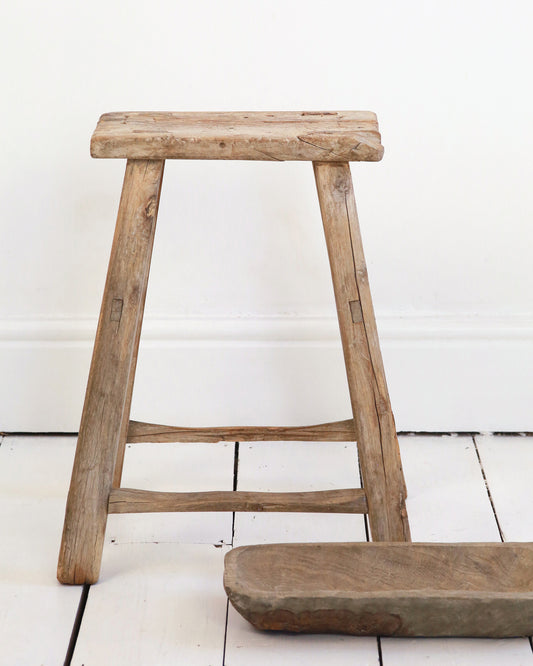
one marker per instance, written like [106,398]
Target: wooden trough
[386,589]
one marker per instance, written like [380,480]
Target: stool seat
[324,136]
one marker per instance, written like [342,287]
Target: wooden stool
[330,140]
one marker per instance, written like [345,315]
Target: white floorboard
[155,604]
[508,465]
[246,646]
[447,499]
[456,652]
[36,612]
[175,467]
[291,466]
[448,502]
[160,598]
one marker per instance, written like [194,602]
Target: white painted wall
[240,309]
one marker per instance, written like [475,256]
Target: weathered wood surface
[379,454]
[338,431]
[110,374]
[327,136]
[130,500]
[122,440]
[387,589]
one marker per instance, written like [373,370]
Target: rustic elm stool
[328,139]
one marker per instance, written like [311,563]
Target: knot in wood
[150,209]
[362,274]
[341,184]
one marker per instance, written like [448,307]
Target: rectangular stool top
[322,136]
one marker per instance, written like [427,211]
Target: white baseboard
[445,372]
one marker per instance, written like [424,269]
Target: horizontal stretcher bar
[338,431]
[128,500]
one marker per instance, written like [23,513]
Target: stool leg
[111,375]
[124,426]
[377,442]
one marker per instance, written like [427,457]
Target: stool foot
[106,410]
[379,454]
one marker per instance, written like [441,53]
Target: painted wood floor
[160,598]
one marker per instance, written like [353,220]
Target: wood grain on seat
[328,136]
